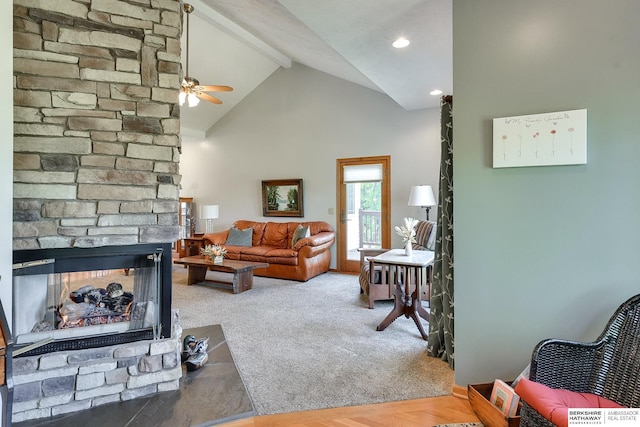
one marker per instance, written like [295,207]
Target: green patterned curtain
[441,343]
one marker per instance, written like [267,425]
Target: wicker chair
[607,367]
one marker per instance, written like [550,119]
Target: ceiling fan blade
[215,88]
[208,97]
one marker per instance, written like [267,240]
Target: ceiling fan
[191,90]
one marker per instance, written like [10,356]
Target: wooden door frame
[342,264]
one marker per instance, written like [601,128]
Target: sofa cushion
[365,271]
[246,250]
[239,237]
[258,229]
[276,235]
[282,256]
[299,233]
[425,236]
[552,403]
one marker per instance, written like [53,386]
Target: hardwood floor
[408,413]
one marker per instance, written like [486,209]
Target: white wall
[551,251]
[6,153]
[295,125]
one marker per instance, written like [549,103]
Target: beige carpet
[313,345]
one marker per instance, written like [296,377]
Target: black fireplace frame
[104,258]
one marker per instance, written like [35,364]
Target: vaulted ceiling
[240,43]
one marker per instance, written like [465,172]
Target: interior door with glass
[363,208]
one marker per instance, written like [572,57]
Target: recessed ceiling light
[400,43]
[435,92]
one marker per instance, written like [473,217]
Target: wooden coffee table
[242,272]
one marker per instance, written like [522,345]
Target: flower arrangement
[407,230]
[213,251]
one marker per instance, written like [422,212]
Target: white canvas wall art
[558,138]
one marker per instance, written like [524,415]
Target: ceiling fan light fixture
[190,81]
[191,91]
[193,100]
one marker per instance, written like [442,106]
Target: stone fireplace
[96,155]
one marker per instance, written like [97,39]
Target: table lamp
[209,213]
[422,195]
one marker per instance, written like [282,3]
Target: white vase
[408,249]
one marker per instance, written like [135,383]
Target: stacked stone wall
[96,162]
[96,122]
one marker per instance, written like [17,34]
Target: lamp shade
[421,195]
[209,212]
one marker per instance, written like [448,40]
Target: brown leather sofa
[271,243]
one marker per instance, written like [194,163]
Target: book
[504,398]
[523,374]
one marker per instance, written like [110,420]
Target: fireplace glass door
[61,299]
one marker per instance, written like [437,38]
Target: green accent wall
[543,251]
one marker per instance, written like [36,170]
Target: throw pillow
[552,403]
[299,233]
[239,237]
[425,235]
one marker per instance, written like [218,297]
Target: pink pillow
[553,403]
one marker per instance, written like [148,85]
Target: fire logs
[95,306]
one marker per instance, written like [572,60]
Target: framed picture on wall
[282,197]
[558,138]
